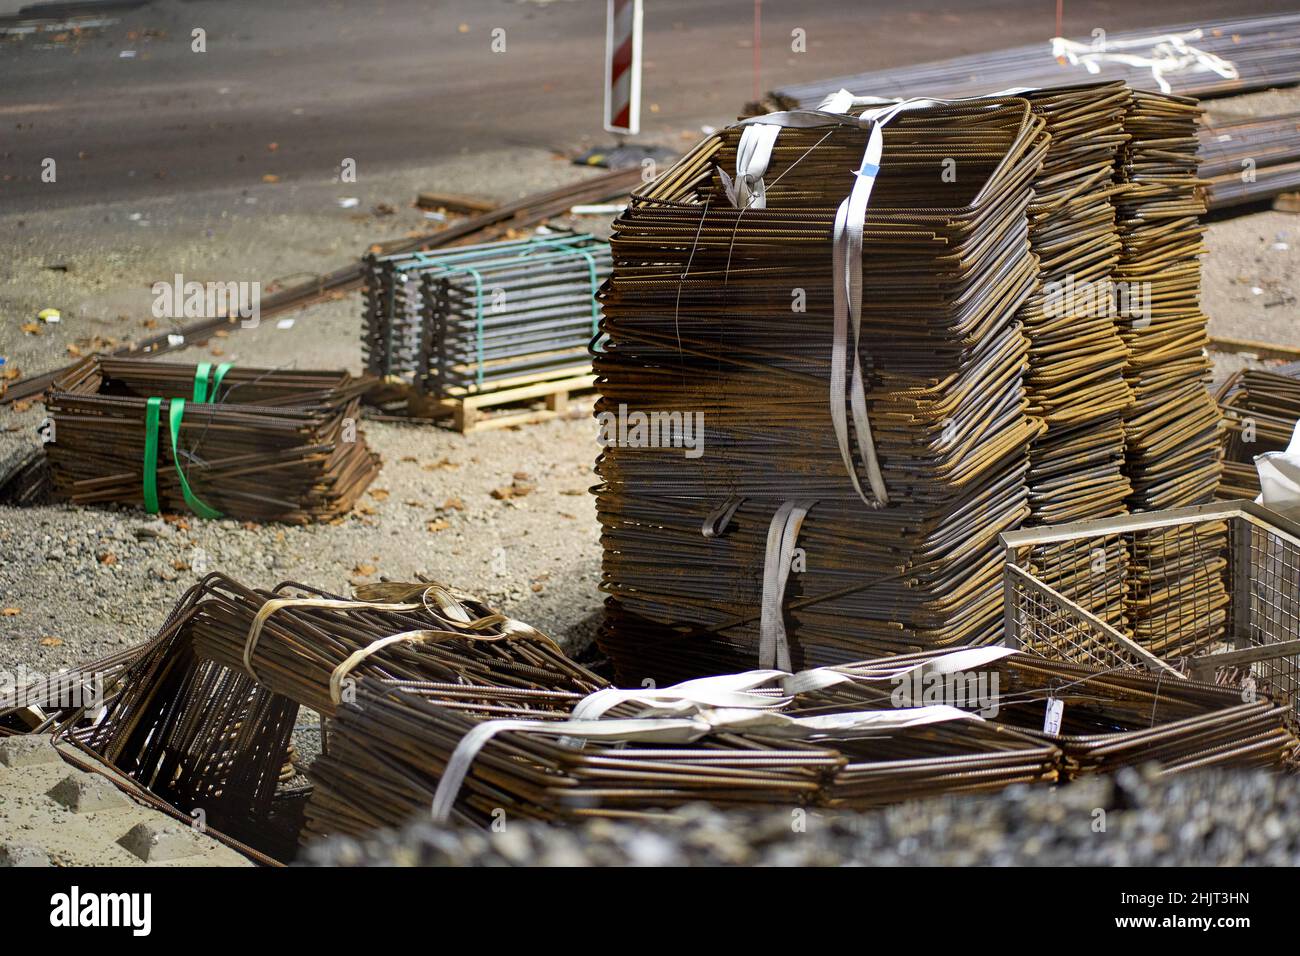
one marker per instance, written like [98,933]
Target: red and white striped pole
[623,67]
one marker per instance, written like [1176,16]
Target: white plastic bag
[1279,478]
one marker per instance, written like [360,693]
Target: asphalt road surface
[291,88]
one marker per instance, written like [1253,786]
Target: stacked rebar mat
[1077,358]
[203,715]
[856,736]
[435,703]
[249,443]
[723,316]
[397,753]
[1218,57]
[1075,382]
[1173,428]
[1248,160]
[482,317]
[1260,411]
[1106,719]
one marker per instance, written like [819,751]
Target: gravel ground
[88,581]
[1135,819]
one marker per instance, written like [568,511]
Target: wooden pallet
[465,409]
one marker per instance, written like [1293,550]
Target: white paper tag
[1052,720]
[174,339]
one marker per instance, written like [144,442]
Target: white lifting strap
[677,731]
[782,536]
[1165,53]
[752,157]
[849,223]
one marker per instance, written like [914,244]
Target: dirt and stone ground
[1133,819]
[54,814]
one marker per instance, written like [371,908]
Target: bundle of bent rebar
[853,473]
[435,703]
[1213,58]
[1260,410]
[1247,160]
[1107,718]
[204,713]
[397,753]
[478,317]
[854,736]
[1077,359]
[1173,428]
[250,443]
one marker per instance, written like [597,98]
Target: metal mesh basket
[1209,593]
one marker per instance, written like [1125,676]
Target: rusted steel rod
[520,213]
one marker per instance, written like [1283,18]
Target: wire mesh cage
[1203,593]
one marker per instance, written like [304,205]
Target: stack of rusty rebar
[250,443]
[396,753]
[1204,58]
[1247,160]
[1103,719]
[203,714]
[1077,359]
[849,476]
[860,735]
[1173,428]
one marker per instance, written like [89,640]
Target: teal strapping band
[151,455]
[176,411]
[205,390]
[198,507]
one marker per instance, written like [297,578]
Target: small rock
[86,793]
[27,751]
[22,854]
[156,842]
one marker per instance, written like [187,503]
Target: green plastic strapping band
[175,412]
[151,455]
[222,369]
[205,390]
[175,415]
